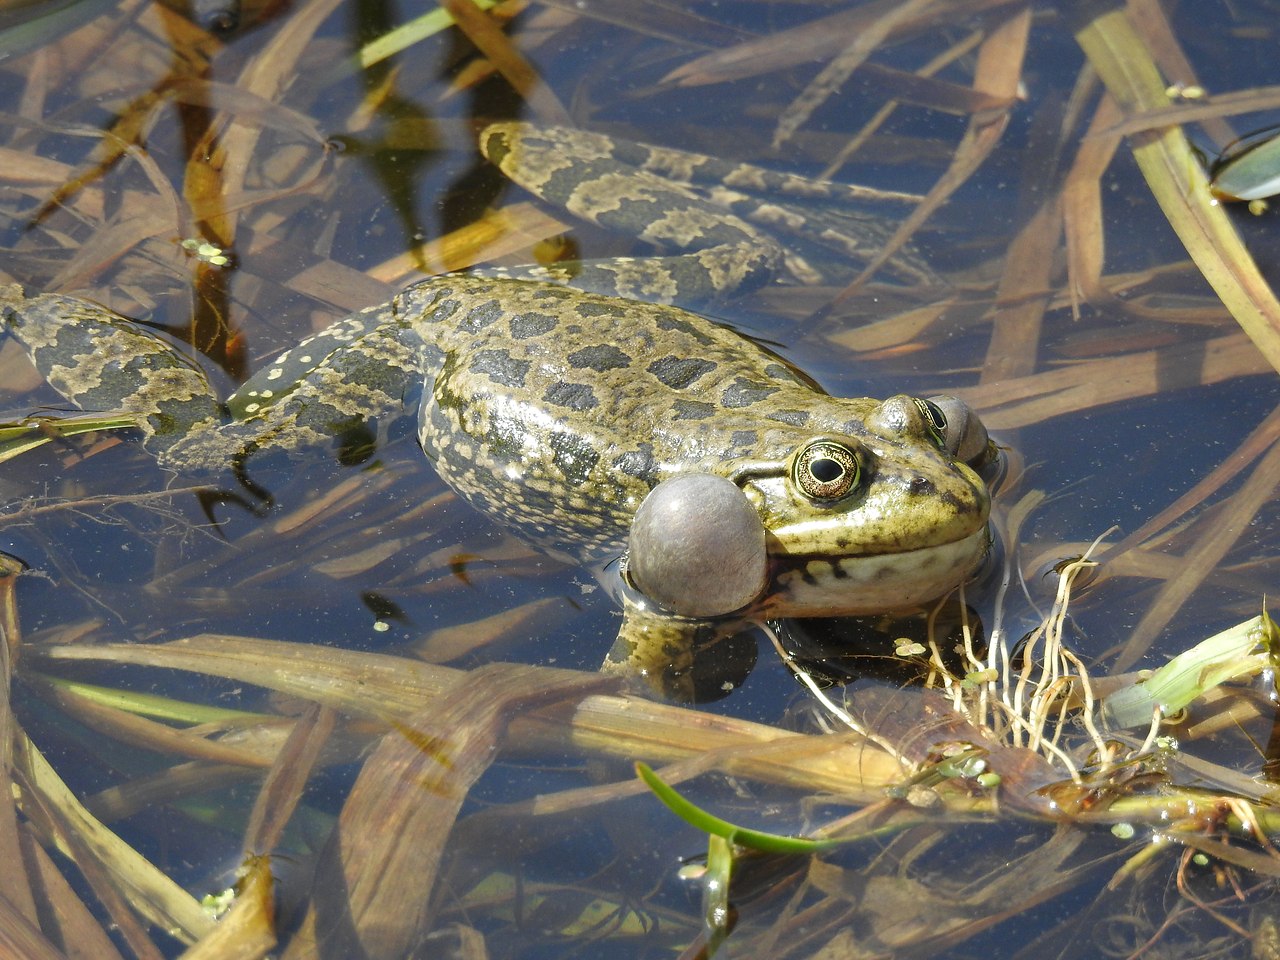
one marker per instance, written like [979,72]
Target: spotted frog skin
[558,412]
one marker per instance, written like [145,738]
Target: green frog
[599,427]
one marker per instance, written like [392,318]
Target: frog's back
[563,409]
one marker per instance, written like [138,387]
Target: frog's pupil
[824,470]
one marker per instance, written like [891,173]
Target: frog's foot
[671,657]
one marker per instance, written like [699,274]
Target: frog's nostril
[921,485]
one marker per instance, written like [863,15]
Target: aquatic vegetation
[339,709]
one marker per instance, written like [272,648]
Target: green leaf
[717,914]
[150,704]
[1235,653]
[406,35]
[1175,176]
[702,820]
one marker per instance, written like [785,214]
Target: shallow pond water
[336,662]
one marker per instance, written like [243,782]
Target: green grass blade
[17,438]
[1176,178]
[700,819]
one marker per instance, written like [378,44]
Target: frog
[714,484]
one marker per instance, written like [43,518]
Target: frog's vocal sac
[594,426]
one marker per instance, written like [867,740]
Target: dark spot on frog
[627,214]
[962,507]
[575,396]
[796,418]
[693,410]
[497,148]
[639,463]
[920,485]
[685,327]
[743,442]
[557,187]
[573,456]
[743,393]
[500,367]
[445,309]
[530,324]
[505,439]
[588,310]
[779,371]
[480,316]
[438,419]
[432,359]
[602,357]
[679,372]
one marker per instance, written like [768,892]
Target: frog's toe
[697,547]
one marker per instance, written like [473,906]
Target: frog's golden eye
[825,470]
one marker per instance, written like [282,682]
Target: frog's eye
[825,470]
[935,421]
[959,431]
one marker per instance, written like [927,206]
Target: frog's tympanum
[594,426]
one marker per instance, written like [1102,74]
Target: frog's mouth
[862,584]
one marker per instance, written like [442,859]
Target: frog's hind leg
[582,173]
[103,362]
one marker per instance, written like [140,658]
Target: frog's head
[884,517]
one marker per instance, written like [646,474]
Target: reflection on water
[346,667]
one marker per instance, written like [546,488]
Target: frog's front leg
[659,650]
[696,568]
